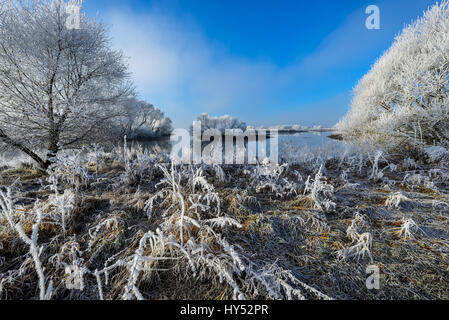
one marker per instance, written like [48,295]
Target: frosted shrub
[8,211]
[141,119]
[439,175]
[105,233]
[95,154]
[353,231]
[407,228]
[244,200]
[376,174]
[314,220]
[397,200]
[219,173]
[410,164]
[69,167]
[268,177]
[189,201]
[138,263]
[138,165]
[402,103]
[362,241]
[282,284]
[438,154]
[439,205]
[7,206]
[359,250]
[414,179]
[320,192]
[60,207]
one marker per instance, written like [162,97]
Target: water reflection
[306,139]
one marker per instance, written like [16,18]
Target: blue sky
[266,62]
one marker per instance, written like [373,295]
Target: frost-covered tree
[59,86]
[220,123]
[142,120]
[403,101]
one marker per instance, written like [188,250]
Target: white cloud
[174,66]
[184,73]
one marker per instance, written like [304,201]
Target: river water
[305,140]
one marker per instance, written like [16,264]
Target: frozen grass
[130,225]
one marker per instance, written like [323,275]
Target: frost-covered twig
[359,250]
[406,229]
[7,205]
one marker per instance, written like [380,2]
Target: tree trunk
[53,147]
[43,164]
